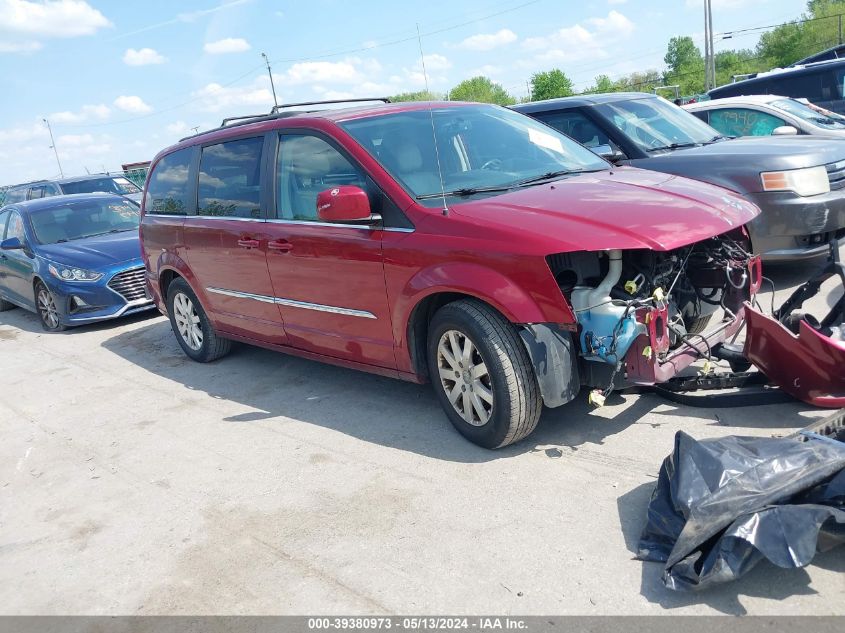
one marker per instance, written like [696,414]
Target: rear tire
[191,326]
[482,375]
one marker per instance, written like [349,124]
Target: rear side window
[168,190]
[744,122]
[230,179]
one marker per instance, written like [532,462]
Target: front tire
[191,326]
[48,313]
[482,375]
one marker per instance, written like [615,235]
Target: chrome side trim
[242,295]
[319,307]
[324,308]
[363,227]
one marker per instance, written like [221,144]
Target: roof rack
[275,113]
[276,108]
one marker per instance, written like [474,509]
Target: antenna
[272,85]
[53,147]
[433,131]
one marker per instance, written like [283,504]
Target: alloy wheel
[187,321]
[464,377]
[47,308]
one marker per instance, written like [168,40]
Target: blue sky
[121,80]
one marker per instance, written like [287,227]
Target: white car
[764,115]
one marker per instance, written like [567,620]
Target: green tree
[682,54]
[481,89]
[790,42]
[603,83]
[420,95]
[550,85]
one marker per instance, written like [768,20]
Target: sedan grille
[130,284]
[836,175]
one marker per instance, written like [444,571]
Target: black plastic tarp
[723,505]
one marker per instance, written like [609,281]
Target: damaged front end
[642,315]
[803,355]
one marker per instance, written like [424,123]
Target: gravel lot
[134,481]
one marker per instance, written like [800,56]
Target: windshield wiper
[466,191]
[105,233]
[673,146]
[719,137]
[554,174]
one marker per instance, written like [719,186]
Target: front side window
[230,179]
[575,125]
[15,227]
[37,192]
[306,166]
[168,190]
[744,122]
[655,124]
[80,220]
[4,216]
[468,150]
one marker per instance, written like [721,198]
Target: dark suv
[90,183]
[464,244]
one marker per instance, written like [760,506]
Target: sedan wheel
[187,321]
[464,376]
[47,311]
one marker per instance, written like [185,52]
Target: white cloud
[227,45]
[582,41]
[488,41]
[52,18]
[435,63]
[143,57]
[215,97]
[133,104]
[24,23]
[86,113]
[23,46]
[177,127]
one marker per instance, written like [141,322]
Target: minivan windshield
[654,124]
[68,222]
[106,184]
[814,116]
[479,149]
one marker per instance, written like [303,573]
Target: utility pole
[712,45]
[53,147]
[272,85]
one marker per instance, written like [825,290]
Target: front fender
[534,299]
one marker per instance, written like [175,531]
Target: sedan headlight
[805,182]
[66,273]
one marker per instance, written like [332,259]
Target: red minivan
[464,244]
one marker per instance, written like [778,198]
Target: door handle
[248,242]
[280,246]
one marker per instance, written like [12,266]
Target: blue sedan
[72,259]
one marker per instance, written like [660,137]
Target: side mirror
[345,204]
[784,130]
[608,153]
[12,244]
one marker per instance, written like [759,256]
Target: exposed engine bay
[654,303]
